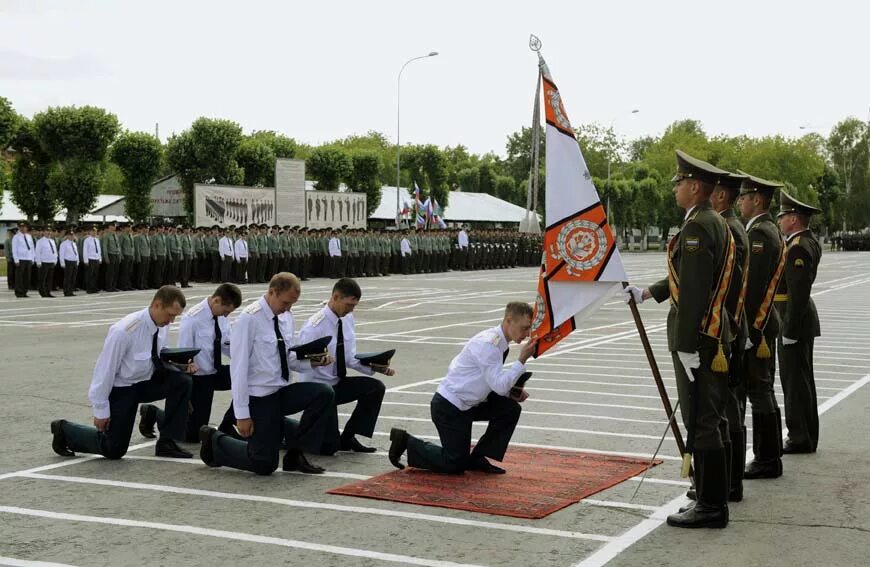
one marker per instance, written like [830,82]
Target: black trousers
[259,453]
[184,270]
[22,277]
[707,397]
[760,378]
[46,272]
[143,272]
[368,393]
[112,272]
[69,277]
[215,264]
[454,429]
[242,271]
[799,389]
[126,273]
[253,266]
[92,272]
[157,268]
[226,269]
[124,402]
[201,398]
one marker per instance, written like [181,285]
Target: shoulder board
[131,326]
[495,340]
[796,241]
[196,309]
[252,308]
[316,318]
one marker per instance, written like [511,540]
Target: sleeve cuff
[102,410]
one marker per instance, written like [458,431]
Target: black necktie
[282,351]
[51,243]
[154,358]
[217,344]
[340,365]
[504,355]
[27,242]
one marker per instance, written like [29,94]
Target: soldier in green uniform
[212,249]
[142,256]
[128,256]
[173,254]
[253,253]
[185,262]
[800,325]
[158,255]
[290,248]
[276,252]
[700,260]
[111,256]
[723,199]
[202,266]
[766,263]
[265,254]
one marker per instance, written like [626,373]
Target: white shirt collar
[792,235]
[689,212]
[145,316]
[753,219]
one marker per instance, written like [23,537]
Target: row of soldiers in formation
[740,294]
[113,257]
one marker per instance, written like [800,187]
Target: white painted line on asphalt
[553,414]
[66,462]
[13,562]
[236,536]
[196,461]
[521,528]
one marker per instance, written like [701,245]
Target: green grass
[3,268]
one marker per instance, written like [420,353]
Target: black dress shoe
[763,469]
[147,420]
[69,295]
[482,465]
[398,445]
[206,449]
[796,448]
[351,444]
[169,448]
[228,429]
[700,515]
[295,460]
[58,440]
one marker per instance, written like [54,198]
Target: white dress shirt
[69,252]
[46,251]
[93,250]
[254,364]
[462,239]
[226,247]
[197,331]
[23,247]
[241,249]
[324,323]
[125,358]
[405,247]
[334,246]
[478,370]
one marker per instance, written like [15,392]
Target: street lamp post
[398,127]
[609,159]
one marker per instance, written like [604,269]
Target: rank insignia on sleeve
[799,262]
[693,243]
[757,247]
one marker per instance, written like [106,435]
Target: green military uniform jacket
[186,242]
[801,320]
[141,247]
[109,245]
[126,245]
[698,254]
[158,245]
[765,249]
[173,246]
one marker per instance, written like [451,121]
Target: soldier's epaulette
[195,309]
[796,241]
[316,318]
[132,326]
[496,339]
[252,308]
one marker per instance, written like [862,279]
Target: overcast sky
[319,70]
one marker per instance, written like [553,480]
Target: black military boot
[711,509]
[767,462]
[738,463]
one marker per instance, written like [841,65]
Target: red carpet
[538,482]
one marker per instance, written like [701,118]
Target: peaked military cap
[178,355]
[313,349]
[788,204]
[376,358]
[731,181]
[689,167]
[754,184]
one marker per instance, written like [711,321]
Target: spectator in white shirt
[92,256]
[407,255]
[24,252]
[334,255]
[477,388]
[264,392]
[68,256]
[241,253]
[46,260]
[128,372]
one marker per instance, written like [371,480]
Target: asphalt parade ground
[594,392]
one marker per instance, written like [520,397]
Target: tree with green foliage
[433,165]
[30,191]
[468,180]
[257,160]
[205,153]
[139,156]
[9,123]
[329,167]
[76,139]
[365,178]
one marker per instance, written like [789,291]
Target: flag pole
[657,376]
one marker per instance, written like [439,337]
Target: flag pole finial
[535,43]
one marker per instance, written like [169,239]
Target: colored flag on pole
[581,266]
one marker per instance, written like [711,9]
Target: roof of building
[9,211]
[462,207]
